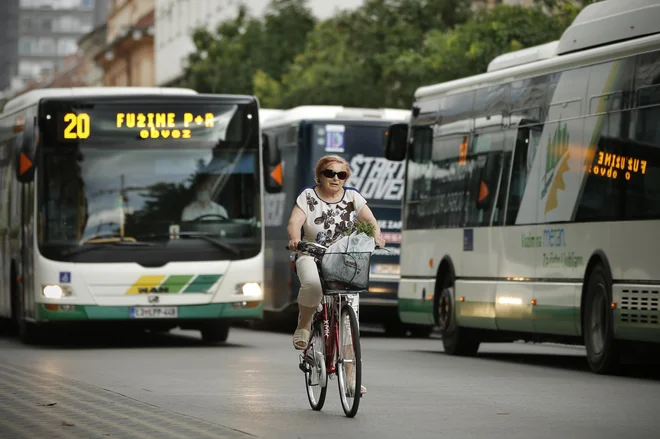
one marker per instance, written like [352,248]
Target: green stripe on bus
[177,282]
[416,311]
[202,283]
[207,311]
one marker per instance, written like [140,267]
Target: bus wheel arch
[596,316]
[455,340]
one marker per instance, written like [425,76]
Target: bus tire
[603,353]
[215,332]
[455,340]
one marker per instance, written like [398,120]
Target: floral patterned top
[327,222]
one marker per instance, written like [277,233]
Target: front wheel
[316,377]
[215,332]
[455,340]
[598,331]
[349,363]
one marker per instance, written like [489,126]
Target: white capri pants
[311,293]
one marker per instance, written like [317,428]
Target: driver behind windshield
[203,205]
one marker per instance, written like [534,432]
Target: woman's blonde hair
[324,161]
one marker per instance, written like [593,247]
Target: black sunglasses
[330,174]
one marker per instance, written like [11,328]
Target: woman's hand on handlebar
[380,242]
[293,244]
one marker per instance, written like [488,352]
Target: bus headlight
[251,289]
[55,291]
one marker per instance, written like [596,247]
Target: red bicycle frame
[330,323]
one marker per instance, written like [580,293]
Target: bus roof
[331,112]
[267,113]
[606,28]
[34,96]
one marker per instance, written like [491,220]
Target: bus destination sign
[80,126]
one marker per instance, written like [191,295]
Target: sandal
[351,388]
[300,336]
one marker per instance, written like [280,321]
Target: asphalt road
[251,387]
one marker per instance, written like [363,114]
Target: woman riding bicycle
[324,213]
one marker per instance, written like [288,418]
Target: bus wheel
[455,340]
[215,332]
[602,348]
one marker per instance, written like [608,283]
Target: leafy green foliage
[362,227]
[227,60]
[373,56]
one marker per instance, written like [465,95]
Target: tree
[468,48]
[227,60]
[346,57]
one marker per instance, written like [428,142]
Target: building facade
[90,46]
[176,20]
[8,43]
[48,32]
[127,59]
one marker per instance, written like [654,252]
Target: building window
[86,24]
[26,24]
[87,3]
[47,25]
[27,45]
[66,46]
[46,46]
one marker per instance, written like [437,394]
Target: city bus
[532,202]
[134,206]
[302,135]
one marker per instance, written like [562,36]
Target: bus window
[436,181]
[641,176]
[527,97]
[487,151]
[527,143]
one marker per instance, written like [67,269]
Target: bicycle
[323,357]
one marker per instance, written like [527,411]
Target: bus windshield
[194,197]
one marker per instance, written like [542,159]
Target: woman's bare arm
[367,215]
[296,221]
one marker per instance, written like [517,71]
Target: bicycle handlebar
[325,248]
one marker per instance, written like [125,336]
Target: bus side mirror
[396,142]
[272,165]
[26,147]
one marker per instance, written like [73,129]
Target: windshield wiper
[208,237]
[97,245]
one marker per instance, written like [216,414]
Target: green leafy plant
[362,227]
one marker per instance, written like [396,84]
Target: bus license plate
[155,312]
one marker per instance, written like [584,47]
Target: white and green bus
[532,199]
[131,206]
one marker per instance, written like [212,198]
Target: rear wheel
[455,340]
[316,377]
[349,364]
[215,332]
[602,349]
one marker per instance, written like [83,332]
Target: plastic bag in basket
[348,260]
